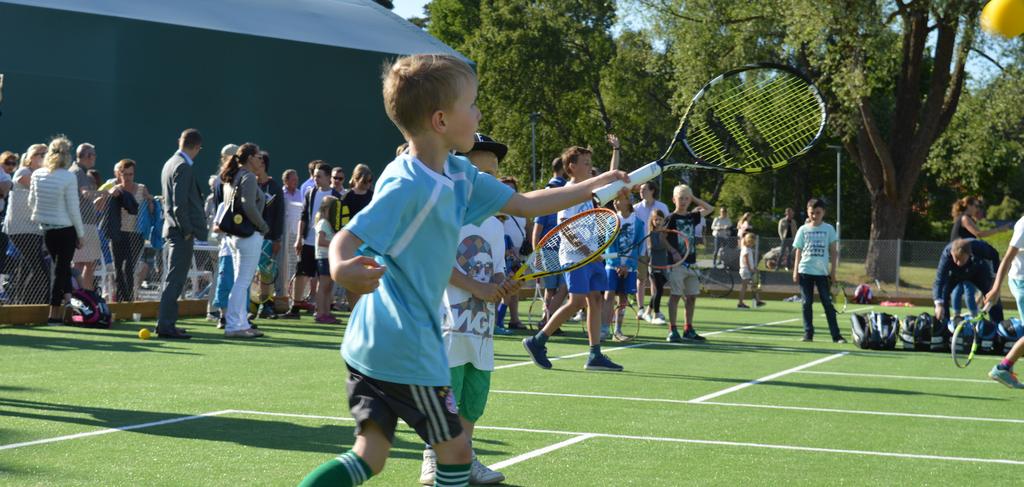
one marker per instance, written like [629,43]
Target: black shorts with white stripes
[431,411]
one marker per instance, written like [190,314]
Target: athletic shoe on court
[213,315]
[501,330]
[1005,377]
[479,474]
[538,353]
[601,362]
[642,315]
[619,337]
[578,317]
[673,337]
[807,338]
[692,336]
[839,340]
[428,467]
[661,318]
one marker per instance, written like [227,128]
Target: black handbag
[232,220]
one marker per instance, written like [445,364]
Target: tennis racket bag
[89,309]
[916,333]
[1009,332]
[876,331]
[963,342]
[939,333]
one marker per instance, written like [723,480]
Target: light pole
[839,187]
[533,147]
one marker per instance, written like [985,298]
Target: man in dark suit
[184,223]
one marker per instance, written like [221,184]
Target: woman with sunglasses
[32,275]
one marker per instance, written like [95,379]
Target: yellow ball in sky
[1003,17]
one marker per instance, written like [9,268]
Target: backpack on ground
[863,294]
[939,333]
[988,335]
[916,332]
[89,309]
[1009,332]
[876,331]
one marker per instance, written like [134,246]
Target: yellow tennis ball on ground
[1003,17]
[144,334]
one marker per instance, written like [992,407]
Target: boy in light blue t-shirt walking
[398,253]
[816,258]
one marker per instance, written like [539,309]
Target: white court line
[767,378]
[578,436]
[909,377]
[540,451]
[114,430]
[644,344]
[769,406]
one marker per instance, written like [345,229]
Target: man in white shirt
[648,203]
[720,230]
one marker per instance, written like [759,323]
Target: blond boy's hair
[681,190]
[417,86]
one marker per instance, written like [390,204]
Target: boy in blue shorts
[586,284]
[620,265]
[397,255]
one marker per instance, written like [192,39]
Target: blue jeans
[225,278]
[807,284]
[964,290]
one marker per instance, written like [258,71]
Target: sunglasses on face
[338,178]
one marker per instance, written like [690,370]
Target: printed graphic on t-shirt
[815,243]
[685,224]
[473,315]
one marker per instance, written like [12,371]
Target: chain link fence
[911,263]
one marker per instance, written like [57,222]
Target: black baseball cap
[485,143]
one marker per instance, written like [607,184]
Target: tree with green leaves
[891,93]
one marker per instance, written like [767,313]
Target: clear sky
[409,8]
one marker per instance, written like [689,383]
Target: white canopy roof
[354,24]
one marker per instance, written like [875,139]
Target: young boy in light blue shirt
[398,253]
[816,258]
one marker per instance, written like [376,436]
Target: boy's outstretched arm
[357,274]
[551,200]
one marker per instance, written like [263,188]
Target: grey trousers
[179,261]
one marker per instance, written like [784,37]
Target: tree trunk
[888,222]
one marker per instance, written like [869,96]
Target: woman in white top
[53,197]
[32,274]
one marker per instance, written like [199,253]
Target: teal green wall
[130,87]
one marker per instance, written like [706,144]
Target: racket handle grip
[606,193]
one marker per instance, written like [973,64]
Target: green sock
[452,475]
[347,470]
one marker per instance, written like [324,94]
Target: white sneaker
[479,474]
[657,321]
[661,317]
[578,317]
[429,466]
[642,315]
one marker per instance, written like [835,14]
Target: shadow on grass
[258,432]
[124,338]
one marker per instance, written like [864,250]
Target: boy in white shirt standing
[815,260]
[469,316]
